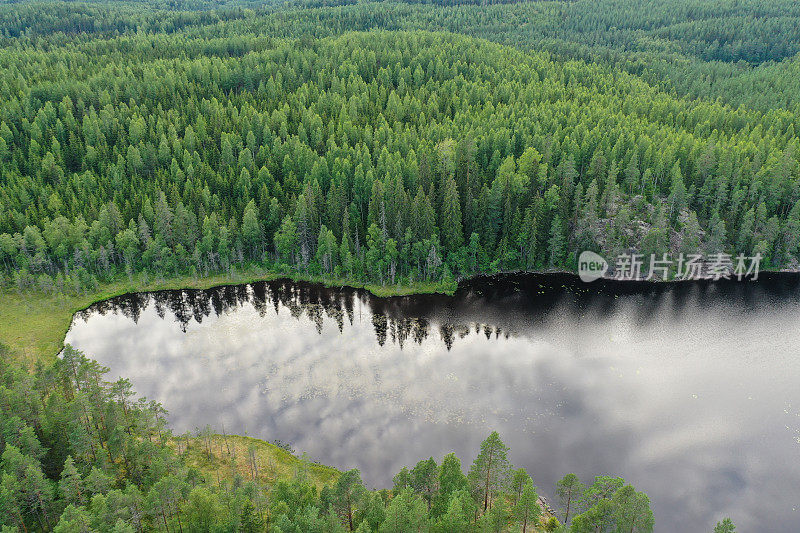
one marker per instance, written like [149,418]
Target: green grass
[229,456]
[33,324]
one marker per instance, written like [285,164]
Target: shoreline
[33,325]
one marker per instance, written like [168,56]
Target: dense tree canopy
[391,157]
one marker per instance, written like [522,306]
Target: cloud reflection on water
[681,390]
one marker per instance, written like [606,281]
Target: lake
[689,391]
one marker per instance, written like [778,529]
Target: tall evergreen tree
[489,471]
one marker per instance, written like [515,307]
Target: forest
[388,143]
[205,141]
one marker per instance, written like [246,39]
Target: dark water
[690,391]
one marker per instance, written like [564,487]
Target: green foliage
[405,512]
[460,513]
[725,526]
[610,505]
[451,480]
[527,510]
[489,471]
[203,511]
[569,491]
[185,142]
[347,493]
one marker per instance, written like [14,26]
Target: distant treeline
[741,52]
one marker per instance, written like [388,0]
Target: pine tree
[677,195]
[71,484]
[451,480]
[489,471]
[725,526]
[348,491]
[286,239]
[632,510]
[424,480]
[527,510]
[569,490]
[406,512]
[251,229]
[451,227]
[457,516]
[557,243]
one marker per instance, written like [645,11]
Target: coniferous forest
[141,138]
[391,143]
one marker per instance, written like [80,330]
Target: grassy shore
[222,457]
[33,324]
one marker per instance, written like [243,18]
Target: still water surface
[691,392]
